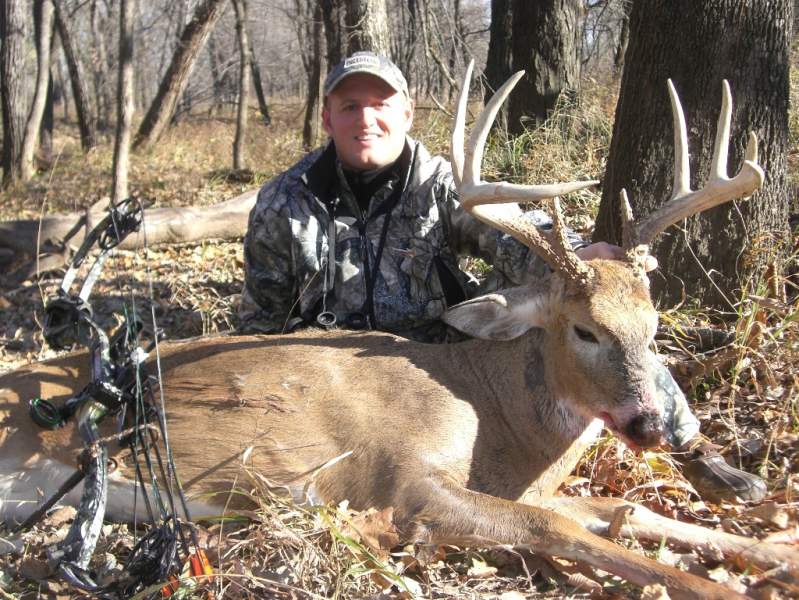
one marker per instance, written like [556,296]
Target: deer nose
[645,430]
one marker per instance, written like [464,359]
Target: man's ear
[326,120]
[408,115]
[504,315]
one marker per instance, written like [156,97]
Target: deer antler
[496,203]
[684,202]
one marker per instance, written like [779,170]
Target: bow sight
[118,382]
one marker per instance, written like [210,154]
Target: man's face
[367,120]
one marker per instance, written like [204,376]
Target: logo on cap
[362,61]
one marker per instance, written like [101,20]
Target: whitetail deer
[469,441]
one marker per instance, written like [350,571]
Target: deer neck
[515,404]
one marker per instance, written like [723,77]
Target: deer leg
[596,515]
[24,485]
[446,513]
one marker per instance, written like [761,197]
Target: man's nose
[366,115]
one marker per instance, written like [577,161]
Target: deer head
[598,317]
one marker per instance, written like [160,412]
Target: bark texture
[263,106]
[697,45]
[367,26]
[331,15]
[240,7]
[104,101]
[191,42]
[43,20]
[310,35]
[12,57]
[498,63]
[125,106]
[546,45]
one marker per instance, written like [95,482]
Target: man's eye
[585,335]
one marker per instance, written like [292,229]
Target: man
[367,232]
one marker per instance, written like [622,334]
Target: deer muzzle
[645,430]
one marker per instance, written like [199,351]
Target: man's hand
[606,251]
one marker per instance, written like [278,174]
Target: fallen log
[53,234]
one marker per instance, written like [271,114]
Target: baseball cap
[371,63]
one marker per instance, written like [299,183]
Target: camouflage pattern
[287,251]
[680,425]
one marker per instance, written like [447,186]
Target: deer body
[300,401]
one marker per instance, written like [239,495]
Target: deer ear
[503,316]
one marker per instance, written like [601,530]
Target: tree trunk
[259,88]
[216,76]
[498,63]
[43,20]
[60,89]
[367,26]
[12,93]
[99,58]
[127,12]
[88,138]
[624,38]
[191,42]
[546,44]
[331,15]
[697,44]
[313,69]
[795,21]
[406,43]
[240,7]
[46,132]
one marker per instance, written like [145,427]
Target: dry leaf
[584,583]
[719,574]
[619,516]
[35,569]
[480,570]
[376,529]
[771,513]
[655,592]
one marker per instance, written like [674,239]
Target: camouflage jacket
[287,250]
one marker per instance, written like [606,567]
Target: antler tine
[627,220]
[479,135]
[636,253]
[467,164]
[459,128]
[719,189]
[682,169]
[482,199]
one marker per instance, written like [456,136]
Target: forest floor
[744,393]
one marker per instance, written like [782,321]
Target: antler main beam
[496,203]
[684,202]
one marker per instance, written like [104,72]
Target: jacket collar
[321,176]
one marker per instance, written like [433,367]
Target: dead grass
[744,394]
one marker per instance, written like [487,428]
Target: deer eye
[585,335]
